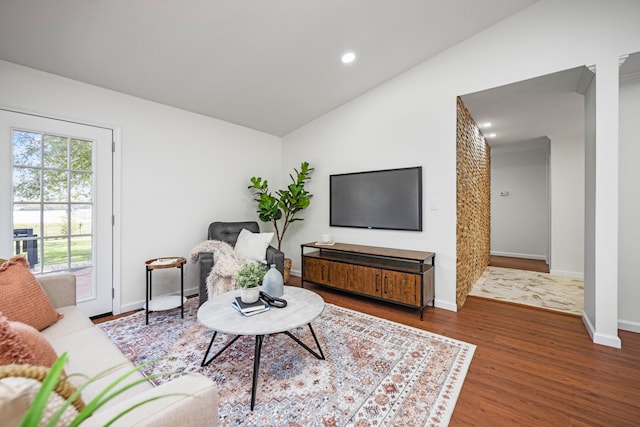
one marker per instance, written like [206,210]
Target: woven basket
[64,389]
[287,269]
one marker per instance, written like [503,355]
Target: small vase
[250,295]
[273,283]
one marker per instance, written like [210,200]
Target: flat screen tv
[388,199]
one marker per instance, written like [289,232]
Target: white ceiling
[550,105]
[269,65]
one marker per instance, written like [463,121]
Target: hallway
[524,281]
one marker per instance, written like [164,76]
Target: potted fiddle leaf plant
[282,209]
[248,278]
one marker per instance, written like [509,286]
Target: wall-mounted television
[389,199]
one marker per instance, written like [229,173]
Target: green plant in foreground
[34,414]
[250,275]
[288,203]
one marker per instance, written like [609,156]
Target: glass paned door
[60,202]
[53,204]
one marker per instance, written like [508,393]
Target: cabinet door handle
[377,283]
[385,285]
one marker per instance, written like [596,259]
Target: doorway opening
[535,130]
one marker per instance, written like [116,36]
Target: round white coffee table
[303,306]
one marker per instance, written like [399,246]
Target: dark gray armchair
[228,232]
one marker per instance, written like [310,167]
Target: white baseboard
[629,326]
[608,340]
[517,255]
[132,306]
[445,305]
[140,304]
[587,324]
[575,274]
[602,339]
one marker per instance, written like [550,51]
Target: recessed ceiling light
[348,57]
[485,125]
[491,135]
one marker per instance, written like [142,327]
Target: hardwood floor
[519,263]
[531,367]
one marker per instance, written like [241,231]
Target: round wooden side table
[164,302]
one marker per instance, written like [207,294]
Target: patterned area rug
[544,290]
[376,372]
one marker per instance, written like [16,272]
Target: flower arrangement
[250,275]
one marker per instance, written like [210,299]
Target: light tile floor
[544,290]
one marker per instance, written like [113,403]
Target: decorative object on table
[248,278]
[326,240]
[273,301]
[273,282]
[359,379]
[286,205]
[249,309]
[164,302]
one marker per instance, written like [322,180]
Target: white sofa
[91,352]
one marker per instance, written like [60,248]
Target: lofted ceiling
[269,65]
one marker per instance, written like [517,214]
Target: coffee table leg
[256,368]
[306,347]
[204,359]
[317,343]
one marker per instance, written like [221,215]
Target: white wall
[567,174]
[520,200]
[177,171]
[589,315]
[410,120]
[629,285]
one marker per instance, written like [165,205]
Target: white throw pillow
[252,246]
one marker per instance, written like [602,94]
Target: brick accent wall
[473,200]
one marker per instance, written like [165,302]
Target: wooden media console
[395,275]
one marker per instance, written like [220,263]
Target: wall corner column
[605,326]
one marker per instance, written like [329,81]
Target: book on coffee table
[249,309]
[248,313]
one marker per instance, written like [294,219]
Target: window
[52,202]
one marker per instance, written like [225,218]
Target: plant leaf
[151,399]
[34,414]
